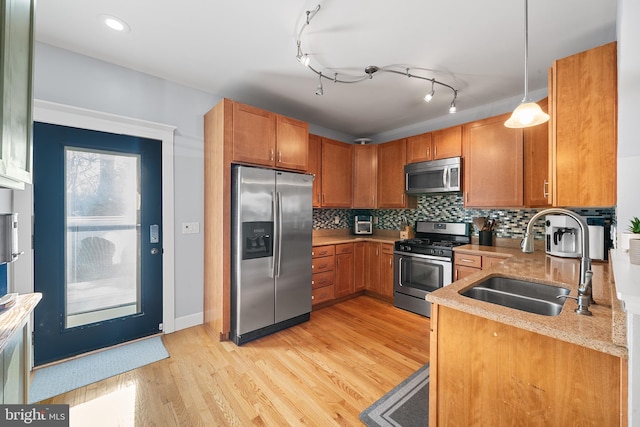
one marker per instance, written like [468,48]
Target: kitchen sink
[522,295]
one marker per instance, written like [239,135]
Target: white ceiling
[245,50]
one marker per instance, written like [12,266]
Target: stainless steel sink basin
[522,295]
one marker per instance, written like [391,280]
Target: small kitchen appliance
[562,237]
[363,224]
[425,263]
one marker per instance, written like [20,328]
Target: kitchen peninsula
[525,368]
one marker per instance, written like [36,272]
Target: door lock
[155,251]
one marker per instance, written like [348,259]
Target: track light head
[429,96]
[319,89]
[452,108]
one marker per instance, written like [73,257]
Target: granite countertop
[13,318]
[605,331]
[336,237]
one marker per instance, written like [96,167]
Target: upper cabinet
[439,144]
[536,164]
[16,63]
[264,138]
[336,174]
[315,162]
[447,143]
[420,148]
[391,160]
[365,174]
[583,136]
[493,164]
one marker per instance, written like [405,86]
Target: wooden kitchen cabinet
[365,174]
[16,91]
[466,264]
[323,274]
[536,163]
[344,270]
[583,106]
[372,267]
[447,143]
[512,376]
[386,271]
[420,148]
[359,265]
[391,160]
[264,138]
[315,162]
[493,164]
[337,184]
[292,144]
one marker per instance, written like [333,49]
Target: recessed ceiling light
[115,23]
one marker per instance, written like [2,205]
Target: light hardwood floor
[323,372]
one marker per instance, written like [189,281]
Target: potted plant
[633,240]
[632,233]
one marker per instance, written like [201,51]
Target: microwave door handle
[406,181]
[445,173]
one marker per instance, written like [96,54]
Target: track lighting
[319,89]
[428,97]
[369,71]
[528,113]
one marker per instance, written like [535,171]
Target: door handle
[155,251]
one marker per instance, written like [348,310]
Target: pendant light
[528,113]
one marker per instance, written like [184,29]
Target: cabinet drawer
[321,294]
[387,248]
[318,265]
[318,251]
[319,280]
[344,248]
[468,260]
[488,261]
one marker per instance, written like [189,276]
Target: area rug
[79,372]
[407,405]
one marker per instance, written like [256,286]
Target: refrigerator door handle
[274,201]
[279,235]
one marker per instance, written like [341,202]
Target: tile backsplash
[448,208]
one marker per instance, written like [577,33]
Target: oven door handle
[400,259]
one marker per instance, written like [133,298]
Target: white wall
[628,161]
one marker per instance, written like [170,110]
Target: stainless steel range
[425,263]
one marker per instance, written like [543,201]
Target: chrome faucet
[584,297]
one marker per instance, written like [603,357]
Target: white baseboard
[185,322]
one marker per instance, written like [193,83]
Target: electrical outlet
[336,220]
[375,220]
[190,227]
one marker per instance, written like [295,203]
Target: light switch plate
[190,227]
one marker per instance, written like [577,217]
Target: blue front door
[97,239]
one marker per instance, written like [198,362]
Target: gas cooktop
[436,238]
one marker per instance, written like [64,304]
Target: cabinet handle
[271,155]
[313,282]
[403,198]
[545,193]
[435,151]
[466,260]
[318,197]
[466,197]
[376,251]
[455,274]
[279,156]
[390,265]
[428,152]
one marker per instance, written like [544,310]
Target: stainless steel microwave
[436,176]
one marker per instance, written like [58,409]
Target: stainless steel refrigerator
[271,251]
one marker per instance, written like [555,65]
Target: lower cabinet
[346,269]
[344,283]
[322,277]
[386,271]
[466,264]
[516,377]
